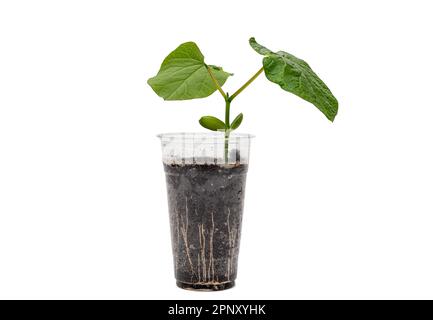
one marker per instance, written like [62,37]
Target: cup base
[205,287]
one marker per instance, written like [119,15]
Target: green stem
[234,95]
[227,131]
[215,81]
[226,146]
[228,101]
[227,115]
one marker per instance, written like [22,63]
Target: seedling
[184,75]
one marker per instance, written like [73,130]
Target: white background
[333,210]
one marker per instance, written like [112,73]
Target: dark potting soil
[205,205]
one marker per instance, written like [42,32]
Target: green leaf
[237,121]
[212,123]
[183,75]
[295,75]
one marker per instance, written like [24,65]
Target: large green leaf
[295,75]
[183,75]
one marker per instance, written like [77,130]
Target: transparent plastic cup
[205,177]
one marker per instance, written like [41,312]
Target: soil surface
[205,205]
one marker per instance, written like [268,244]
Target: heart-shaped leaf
[295,75]
[237,122]
[212,123]
[183,75]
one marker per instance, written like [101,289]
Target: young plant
[184,75]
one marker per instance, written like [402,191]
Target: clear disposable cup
[205,178]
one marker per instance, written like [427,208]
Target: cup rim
[196,136]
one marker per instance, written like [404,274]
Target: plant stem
[227,131]
[227,119]
[215,81]
[228,99]
[234,95]
[226,146]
